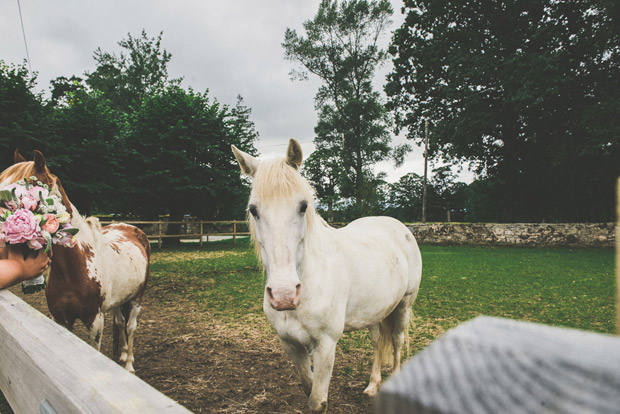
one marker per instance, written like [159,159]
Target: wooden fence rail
[44,368]
[158,233]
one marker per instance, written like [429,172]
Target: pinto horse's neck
[72,262]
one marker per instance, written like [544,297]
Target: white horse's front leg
[323,357]
[301,359]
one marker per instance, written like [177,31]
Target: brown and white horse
[107,270]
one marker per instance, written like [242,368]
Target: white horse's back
[384,265]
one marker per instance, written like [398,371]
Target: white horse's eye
[253,211]
[303,206]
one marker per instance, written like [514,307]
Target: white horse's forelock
[276,179]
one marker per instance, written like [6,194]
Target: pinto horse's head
[280,210]
[38,168]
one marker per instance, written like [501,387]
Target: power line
[24,34]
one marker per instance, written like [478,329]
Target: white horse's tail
[386,344]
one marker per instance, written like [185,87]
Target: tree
[138,71]
[525,90]
[87,147]
[340,46]
[447,196]
[179,158]
[405,198]
[23,116]
[322,168]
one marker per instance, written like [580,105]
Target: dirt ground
[210,366]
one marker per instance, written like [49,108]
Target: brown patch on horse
[114,246]
[71,293]
[132,235]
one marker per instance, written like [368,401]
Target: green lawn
[556,286]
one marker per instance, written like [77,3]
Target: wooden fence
[196,229]
[44,368]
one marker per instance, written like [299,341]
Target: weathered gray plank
[44,366]
[493,365]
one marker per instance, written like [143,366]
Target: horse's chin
[284,307]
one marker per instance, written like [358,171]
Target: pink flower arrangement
[31,216]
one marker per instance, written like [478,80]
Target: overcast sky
[228,47]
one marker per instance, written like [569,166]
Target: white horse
[107,270]
[323,281]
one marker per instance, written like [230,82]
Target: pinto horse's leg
[121,323]
[96,330]
[301,360]
[132,324]
[375,375]
[323,358]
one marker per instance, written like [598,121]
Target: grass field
[556,286]
[565,287]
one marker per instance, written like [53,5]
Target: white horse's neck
[318,238]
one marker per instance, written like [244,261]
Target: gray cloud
[229,48]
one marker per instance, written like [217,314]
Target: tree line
[525,92]
[128,140]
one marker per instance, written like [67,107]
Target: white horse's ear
[294,154]
[247,163]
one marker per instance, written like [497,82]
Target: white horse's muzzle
[283,296]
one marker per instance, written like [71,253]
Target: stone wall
[516,234]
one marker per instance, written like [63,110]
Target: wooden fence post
[201,231]
[618,259]
[159,234]
[235,232]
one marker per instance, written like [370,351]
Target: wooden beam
[45,368]
[492,365]
[618,258]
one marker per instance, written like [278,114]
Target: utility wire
[24,33]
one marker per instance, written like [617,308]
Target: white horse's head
[281,208]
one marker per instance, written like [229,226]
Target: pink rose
[30,203]
[20,190]
[20,227]
[51,223]
[35,190]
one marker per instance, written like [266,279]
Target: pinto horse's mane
[17,172]
[27,169]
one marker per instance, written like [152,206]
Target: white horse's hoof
[319,408]
[370,391]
